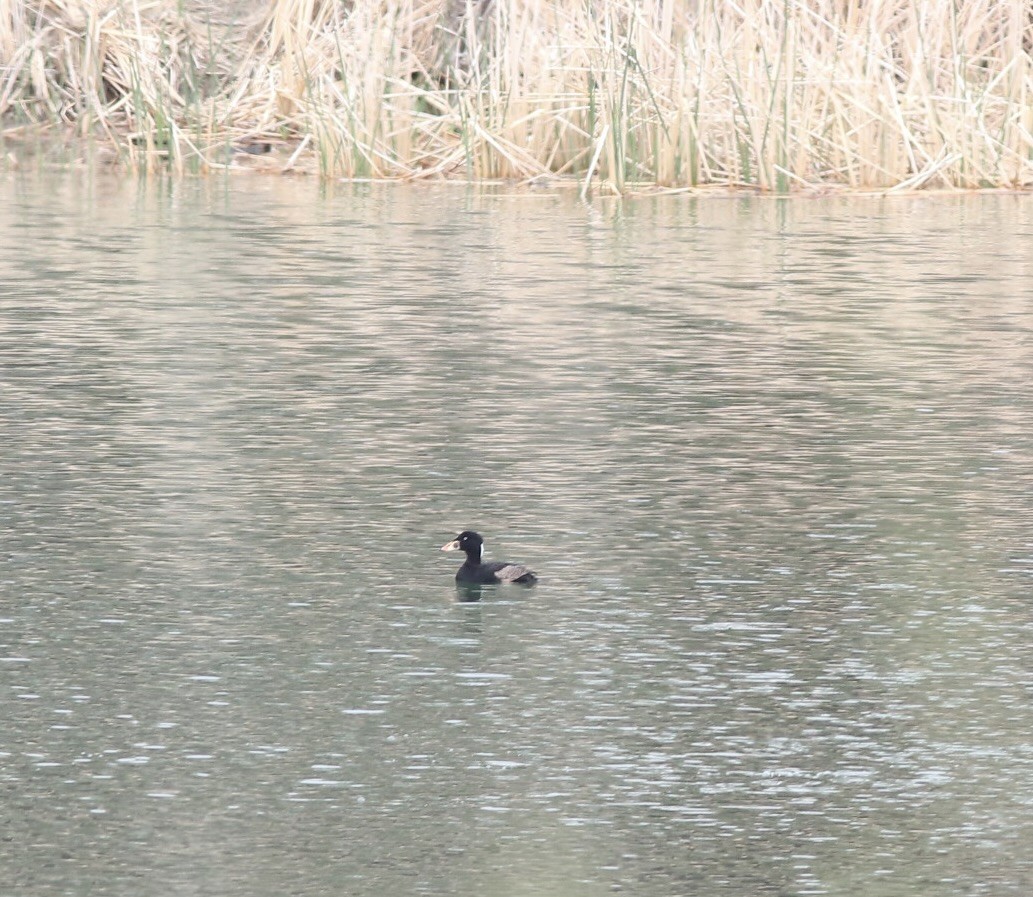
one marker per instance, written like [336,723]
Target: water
[772,461]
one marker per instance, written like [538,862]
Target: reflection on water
[772,461]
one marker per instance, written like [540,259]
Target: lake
[771,459]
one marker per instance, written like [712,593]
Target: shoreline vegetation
[777,96]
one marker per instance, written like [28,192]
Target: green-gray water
[773,462]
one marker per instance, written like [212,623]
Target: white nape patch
[480,554]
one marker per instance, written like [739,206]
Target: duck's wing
[514,573]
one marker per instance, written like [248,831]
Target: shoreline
[103,158]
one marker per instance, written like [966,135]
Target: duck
[475,572]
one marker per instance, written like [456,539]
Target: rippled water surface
[772,460]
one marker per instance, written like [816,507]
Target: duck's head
[469,542]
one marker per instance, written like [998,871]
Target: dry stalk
[778,94]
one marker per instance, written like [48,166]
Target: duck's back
[499,571]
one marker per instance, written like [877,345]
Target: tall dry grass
[774,94]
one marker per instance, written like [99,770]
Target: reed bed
[776,95]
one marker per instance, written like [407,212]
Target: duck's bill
[451,546]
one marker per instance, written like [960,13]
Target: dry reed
[772,94]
